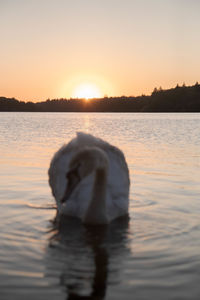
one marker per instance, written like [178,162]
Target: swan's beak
[73,180]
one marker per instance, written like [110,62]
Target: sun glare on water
[86,91]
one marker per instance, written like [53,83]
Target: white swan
[89,179]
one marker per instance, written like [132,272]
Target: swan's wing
[118,185]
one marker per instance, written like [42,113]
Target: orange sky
[51,47]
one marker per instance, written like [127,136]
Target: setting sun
[86,91]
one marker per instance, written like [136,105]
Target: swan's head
[82,164]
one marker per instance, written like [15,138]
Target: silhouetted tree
[178,99]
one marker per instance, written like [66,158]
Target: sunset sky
[55,48]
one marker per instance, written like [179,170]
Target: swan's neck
[96,212]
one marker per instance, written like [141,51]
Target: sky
[52,48]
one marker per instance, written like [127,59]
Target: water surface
[153,255]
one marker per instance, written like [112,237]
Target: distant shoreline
[179,99]
[103,112]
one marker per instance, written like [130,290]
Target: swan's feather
[117,191]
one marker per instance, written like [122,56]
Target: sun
[85,86]
[86,91]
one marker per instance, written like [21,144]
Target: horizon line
[104,97]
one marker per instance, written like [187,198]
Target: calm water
[154,255]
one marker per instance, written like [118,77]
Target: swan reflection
[83,259]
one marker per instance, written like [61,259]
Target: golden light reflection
[87,123]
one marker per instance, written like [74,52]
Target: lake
[153,255]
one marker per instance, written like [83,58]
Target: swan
[89,179]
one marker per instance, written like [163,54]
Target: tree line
[178,99]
